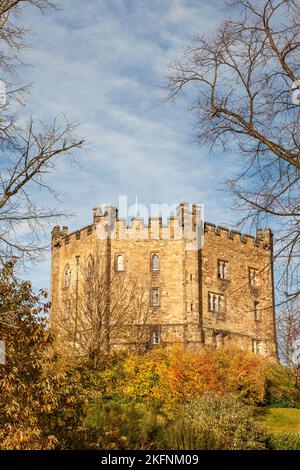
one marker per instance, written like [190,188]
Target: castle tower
[181,282]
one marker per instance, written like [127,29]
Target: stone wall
[186,276]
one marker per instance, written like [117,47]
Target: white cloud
[101,62]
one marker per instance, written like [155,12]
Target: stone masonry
[207,286]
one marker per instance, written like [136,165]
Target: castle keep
[185,281]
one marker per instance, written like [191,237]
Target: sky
[102,63]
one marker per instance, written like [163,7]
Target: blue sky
[102,62]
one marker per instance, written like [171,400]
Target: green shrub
[284,441]
[213,423]
[120,426]
[281,391]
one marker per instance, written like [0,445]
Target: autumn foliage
[41,403]
[129,400]
[176,375]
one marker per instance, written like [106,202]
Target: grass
[279,419]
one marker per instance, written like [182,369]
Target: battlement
[106,223]
[186,225]
[262,239]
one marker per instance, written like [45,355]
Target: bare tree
[105,309]
[288,328]
[242,77]
[28,153]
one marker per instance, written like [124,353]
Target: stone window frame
[152,254]
[90,273]
[66,309]
[252,284]
[152,304]
[218,296]
[224,335]
[67,276]
[155,333]
[257,311]
[226,275]
[256,346]
[117,255]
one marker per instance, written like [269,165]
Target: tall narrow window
[253,277]
[256,346]
[155,263]
[90,267]
[66,310]
[222,269]
[120,263]
[155,297]
[257,311]
[220,303]
[214,303]
[67,276]
[155,337]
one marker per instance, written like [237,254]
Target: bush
[281,390]
[42,403]
[172,376]
[283,441]
[120,426]
[213,423]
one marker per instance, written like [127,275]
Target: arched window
[67,276]
[155,263]
[120,263]
[90,267]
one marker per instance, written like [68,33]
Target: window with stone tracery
[216,302]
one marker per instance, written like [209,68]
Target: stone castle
[204,285]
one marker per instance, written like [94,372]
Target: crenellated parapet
[186,225]
[262,239]
[106,224]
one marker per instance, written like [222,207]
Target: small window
[155,337]
[253,277]
[256,346]
[90,267]
[66,310]
[216,302]
[257,311]
[120,263]
[155,263]
[222,269]
[220,340]
[155,297]
[67,276]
